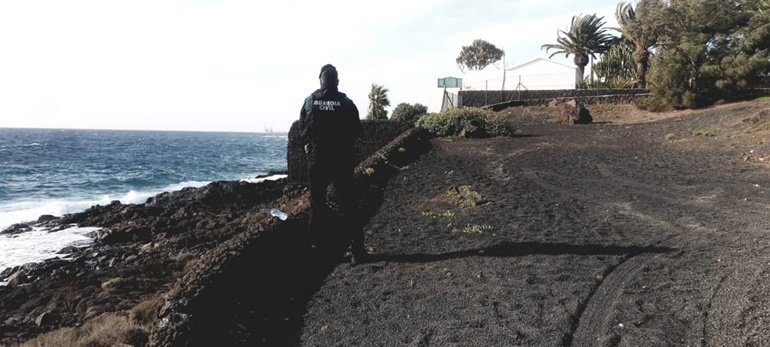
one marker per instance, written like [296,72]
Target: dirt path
[601,235]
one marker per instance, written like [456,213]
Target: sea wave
[28,211]
[39,244]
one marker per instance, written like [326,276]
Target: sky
[246,66]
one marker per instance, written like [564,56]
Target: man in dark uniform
[329,127]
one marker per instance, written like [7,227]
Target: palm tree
[585,39]
[378,100]
[642,32]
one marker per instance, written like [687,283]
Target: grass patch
[464,196]
[109,329]
[144,314]
[705,132]
[473,229]
[761,127]
[113,282]
[762,99]
[445,214]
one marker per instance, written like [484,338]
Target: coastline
[66,238]
[137,250]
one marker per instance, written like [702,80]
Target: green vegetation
[761,127]
[113,282]
[689,53]
[408,113]
[451,121]
[478,55]
[445,214]
[586,38]
[640,32]
[473,229]
[378,100]
[369,171]
[705,132]
[464,196]
[710,50]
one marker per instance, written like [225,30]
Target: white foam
[262,179]
[27,211]
[39,244]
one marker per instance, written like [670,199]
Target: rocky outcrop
[139,252]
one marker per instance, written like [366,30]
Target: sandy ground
[639,230]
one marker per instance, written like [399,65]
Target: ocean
[59,171]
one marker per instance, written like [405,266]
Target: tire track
[592,326]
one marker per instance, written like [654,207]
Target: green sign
[450,82]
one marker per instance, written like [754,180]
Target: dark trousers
[340,174]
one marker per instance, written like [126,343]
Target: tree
[710,50]
[478,55]
[638,26]
[586,38]
[378,100]
[408,113]
[617,69]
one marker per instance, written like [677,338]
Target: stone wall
[374,135]
[480,98]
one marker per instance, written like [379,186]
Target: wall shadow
[520,249]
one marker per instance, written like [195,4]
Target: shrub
[144,313]
[408,113]
[451,121]
[113,282]
[464,196]
[705,132]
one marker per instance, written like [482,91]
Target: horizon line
[153,130]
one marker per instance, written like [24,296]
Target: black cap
[327,67]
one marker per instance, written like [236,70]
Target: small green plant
[705,132]
[445,214]
[464,196]
[473,229]
[369,171]
[113,282]
[401,149]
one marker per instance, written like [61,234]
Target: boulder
[473,129]
[572,112]
[46,218]
[17,279]
[47,318]
[17,228]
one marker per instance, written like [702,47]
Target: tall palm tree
[586,38]
[637,27]
[378,100]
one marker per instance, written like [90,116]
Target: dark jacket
[329,125]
